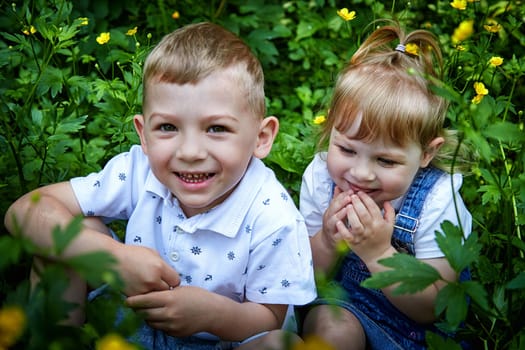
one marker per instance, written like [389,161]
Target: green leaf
[505,131]
[460,254]
[51,79]
[412,274]
[477,292]
[96,268]
[437,342]
[453,301]
[306,29]
[10,251]
[480,143]
[62,238]
[517,282]
[71,125]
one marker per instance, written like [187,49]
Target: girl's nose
[362,171]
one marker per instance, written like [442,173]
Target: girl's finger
[355,225]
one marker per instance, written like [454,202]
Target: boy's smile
[199,138]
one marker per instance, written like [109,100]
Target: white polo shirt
[316,194]
[253,246]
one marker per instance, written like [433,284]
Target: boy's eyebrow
[207,118]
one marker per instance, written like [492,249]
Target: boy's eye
[386,162]
[216,128]
[167,128]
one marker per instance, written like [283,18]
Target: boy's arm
[187,310]
[37,213]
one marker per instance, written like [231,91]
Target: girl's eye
[346,150]
[216,128]
[167,128]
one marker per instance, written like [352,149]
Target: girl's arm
[369,235]
[418,306]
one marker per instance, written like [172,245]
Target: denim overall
[385,326]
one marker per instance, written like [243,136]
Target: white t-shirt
[316,192]
[252,246]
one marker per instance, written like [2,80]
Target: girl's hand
[334,215]
[369,231]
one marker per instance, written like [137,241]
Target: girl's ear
[138,121]
[430,152]
[267,133]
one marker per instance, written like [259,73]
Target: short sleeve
[316,193]
[111,192]
[440,205]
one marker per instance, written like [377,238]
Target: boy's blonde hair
[191,53]
[390,87]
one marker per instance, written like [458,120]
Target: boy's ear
[431,150]
[138,122]
[267,133]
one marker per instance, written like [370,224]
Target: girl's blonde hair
[390,88]
[191,53]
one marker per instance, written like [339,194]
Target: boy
[215,249]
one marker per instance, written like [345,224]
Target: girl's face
[380,168]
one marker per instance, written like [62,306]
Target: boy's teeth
[194,177]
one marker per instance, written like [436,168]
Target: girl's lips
[194,177]
[360,189]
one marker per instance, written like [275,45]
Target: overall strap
[407,218]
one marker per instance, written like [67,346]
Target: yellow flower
[412,49]
[496,61]
[175,15]
[463,31]
[480,88]
[84,21]
[459,4]
[344,14]
[12,323]
[113,342]
[477,99]
[132,31]
[320,119]
[313,342]
[30,30]
[460,48]
[492,26]
[103,38]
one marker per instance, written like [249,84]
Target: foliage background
[66,105]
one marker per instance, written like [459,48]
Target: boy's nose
[189,148]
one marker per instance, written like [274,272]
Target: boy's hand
[187,310]
[369,231]
[180,312]
[334,214]
[143,270]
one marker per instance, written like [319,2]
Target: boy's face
[381,169]
[199,138]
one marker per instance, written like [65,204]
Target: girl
[382,189]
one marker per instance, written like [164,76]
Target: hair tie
[400,48]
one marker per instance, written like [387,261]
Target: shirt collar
[227,217]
